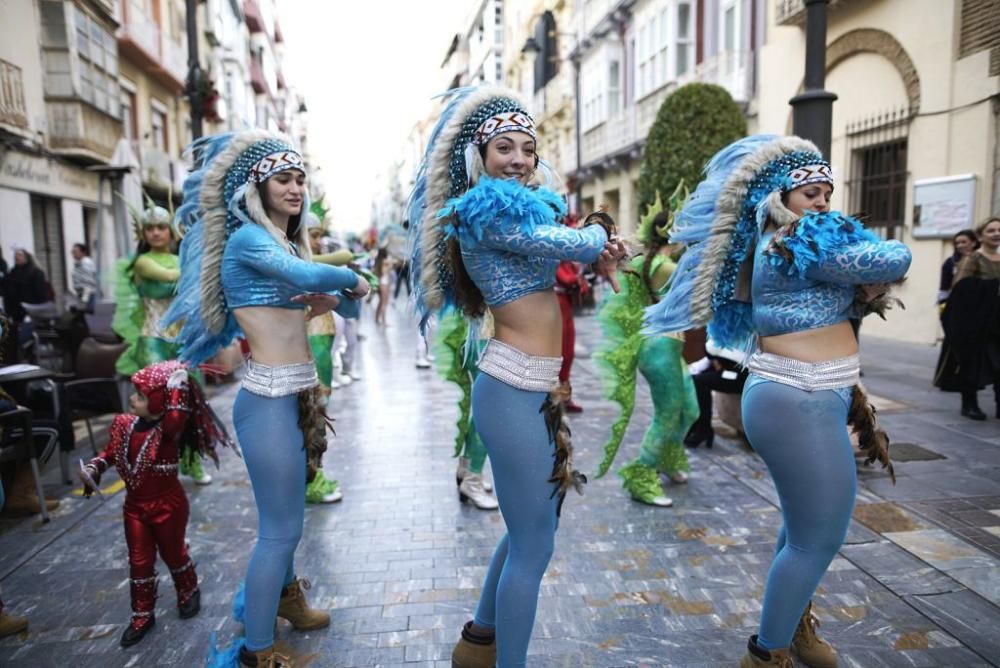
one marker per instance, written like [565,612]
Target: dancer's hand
[360,290]
[872,291]
[318,303]
[607,266]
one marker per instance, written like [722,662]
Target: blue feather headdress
[220,195]
[447,170]
[719,226]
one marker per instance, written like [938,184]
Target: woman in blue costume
[486,240]
[769,268]
[246,270]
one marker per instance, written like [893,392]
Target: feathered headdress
[718,226]
[471,117]
[220,195]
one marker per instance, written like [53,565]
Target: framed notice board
[943,206]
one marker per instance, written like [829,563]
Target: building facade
[59,115]
[915,132]
[633,54]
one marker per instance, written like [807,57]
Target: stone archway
[872,40]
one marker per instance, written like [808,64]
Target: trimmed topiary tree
[693,123]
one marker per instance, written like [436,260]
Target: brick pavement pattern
[400,561]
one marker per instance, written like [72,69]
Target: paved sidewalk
[400,560]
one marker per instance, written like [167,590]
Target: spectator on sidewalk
[720,372]
[570,288]
[25,284]
[85,285]
[970,359]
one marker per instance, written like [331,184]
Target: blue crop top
[257,271]
[511,239]
[819,291]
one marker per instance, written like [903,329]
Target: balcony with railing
[13,111]
[614,136]
[78,130]
[733,70]
[141,41]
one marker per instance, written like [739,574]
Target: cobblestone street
[400,560]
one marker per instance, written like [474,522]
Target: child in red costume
[168,411]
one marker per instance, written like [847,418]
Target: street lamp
[812,109]
[531,48]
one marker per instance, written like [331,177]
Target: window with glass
[98,71]
[614,88]
[664,47]
[158,121]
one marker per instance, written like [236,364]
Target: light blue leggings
[521,454]
[269,435]
[802,437]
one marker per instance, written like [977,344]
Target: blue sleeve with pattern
[863,263]
[555,242]
[271,260]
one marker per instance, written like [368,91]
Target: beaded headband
[512,121]
[273,163]
[818,172]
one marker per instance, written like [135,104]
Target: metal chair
[94,392]
[19,443]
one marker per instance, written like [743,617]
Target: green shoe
[323,490]
[190,465]
[643,483]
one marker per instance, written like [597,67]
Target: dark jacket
[25,284]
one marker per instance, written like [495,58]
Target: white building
[60,113]
[633,53]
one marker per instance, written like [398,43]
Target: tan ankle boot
[758,657]
[11,624]
[809,647]
[474,651]
[294,608]
[264,658]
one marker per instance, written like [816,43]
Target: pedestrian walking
[766,258]
[486,240]
[246,267]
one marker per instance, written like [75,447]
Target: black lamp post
[531,48]
[812,109]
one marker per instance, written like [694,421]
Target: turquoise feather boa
[503,201]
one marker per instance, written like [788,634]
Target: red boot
[143,606]
[188,594]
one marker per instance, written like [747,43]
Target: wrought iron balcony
[12,107]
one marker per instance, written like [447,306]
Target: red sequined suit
[145,453]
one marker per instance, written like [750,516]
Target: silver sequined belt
[279,381]
[808,376]
[519,369]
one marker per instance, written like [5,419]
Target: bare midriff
[531,324]
[814,345]
[276,336]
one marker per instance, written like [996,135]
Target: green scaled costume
[453,366]
[143,291]
[625,351]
